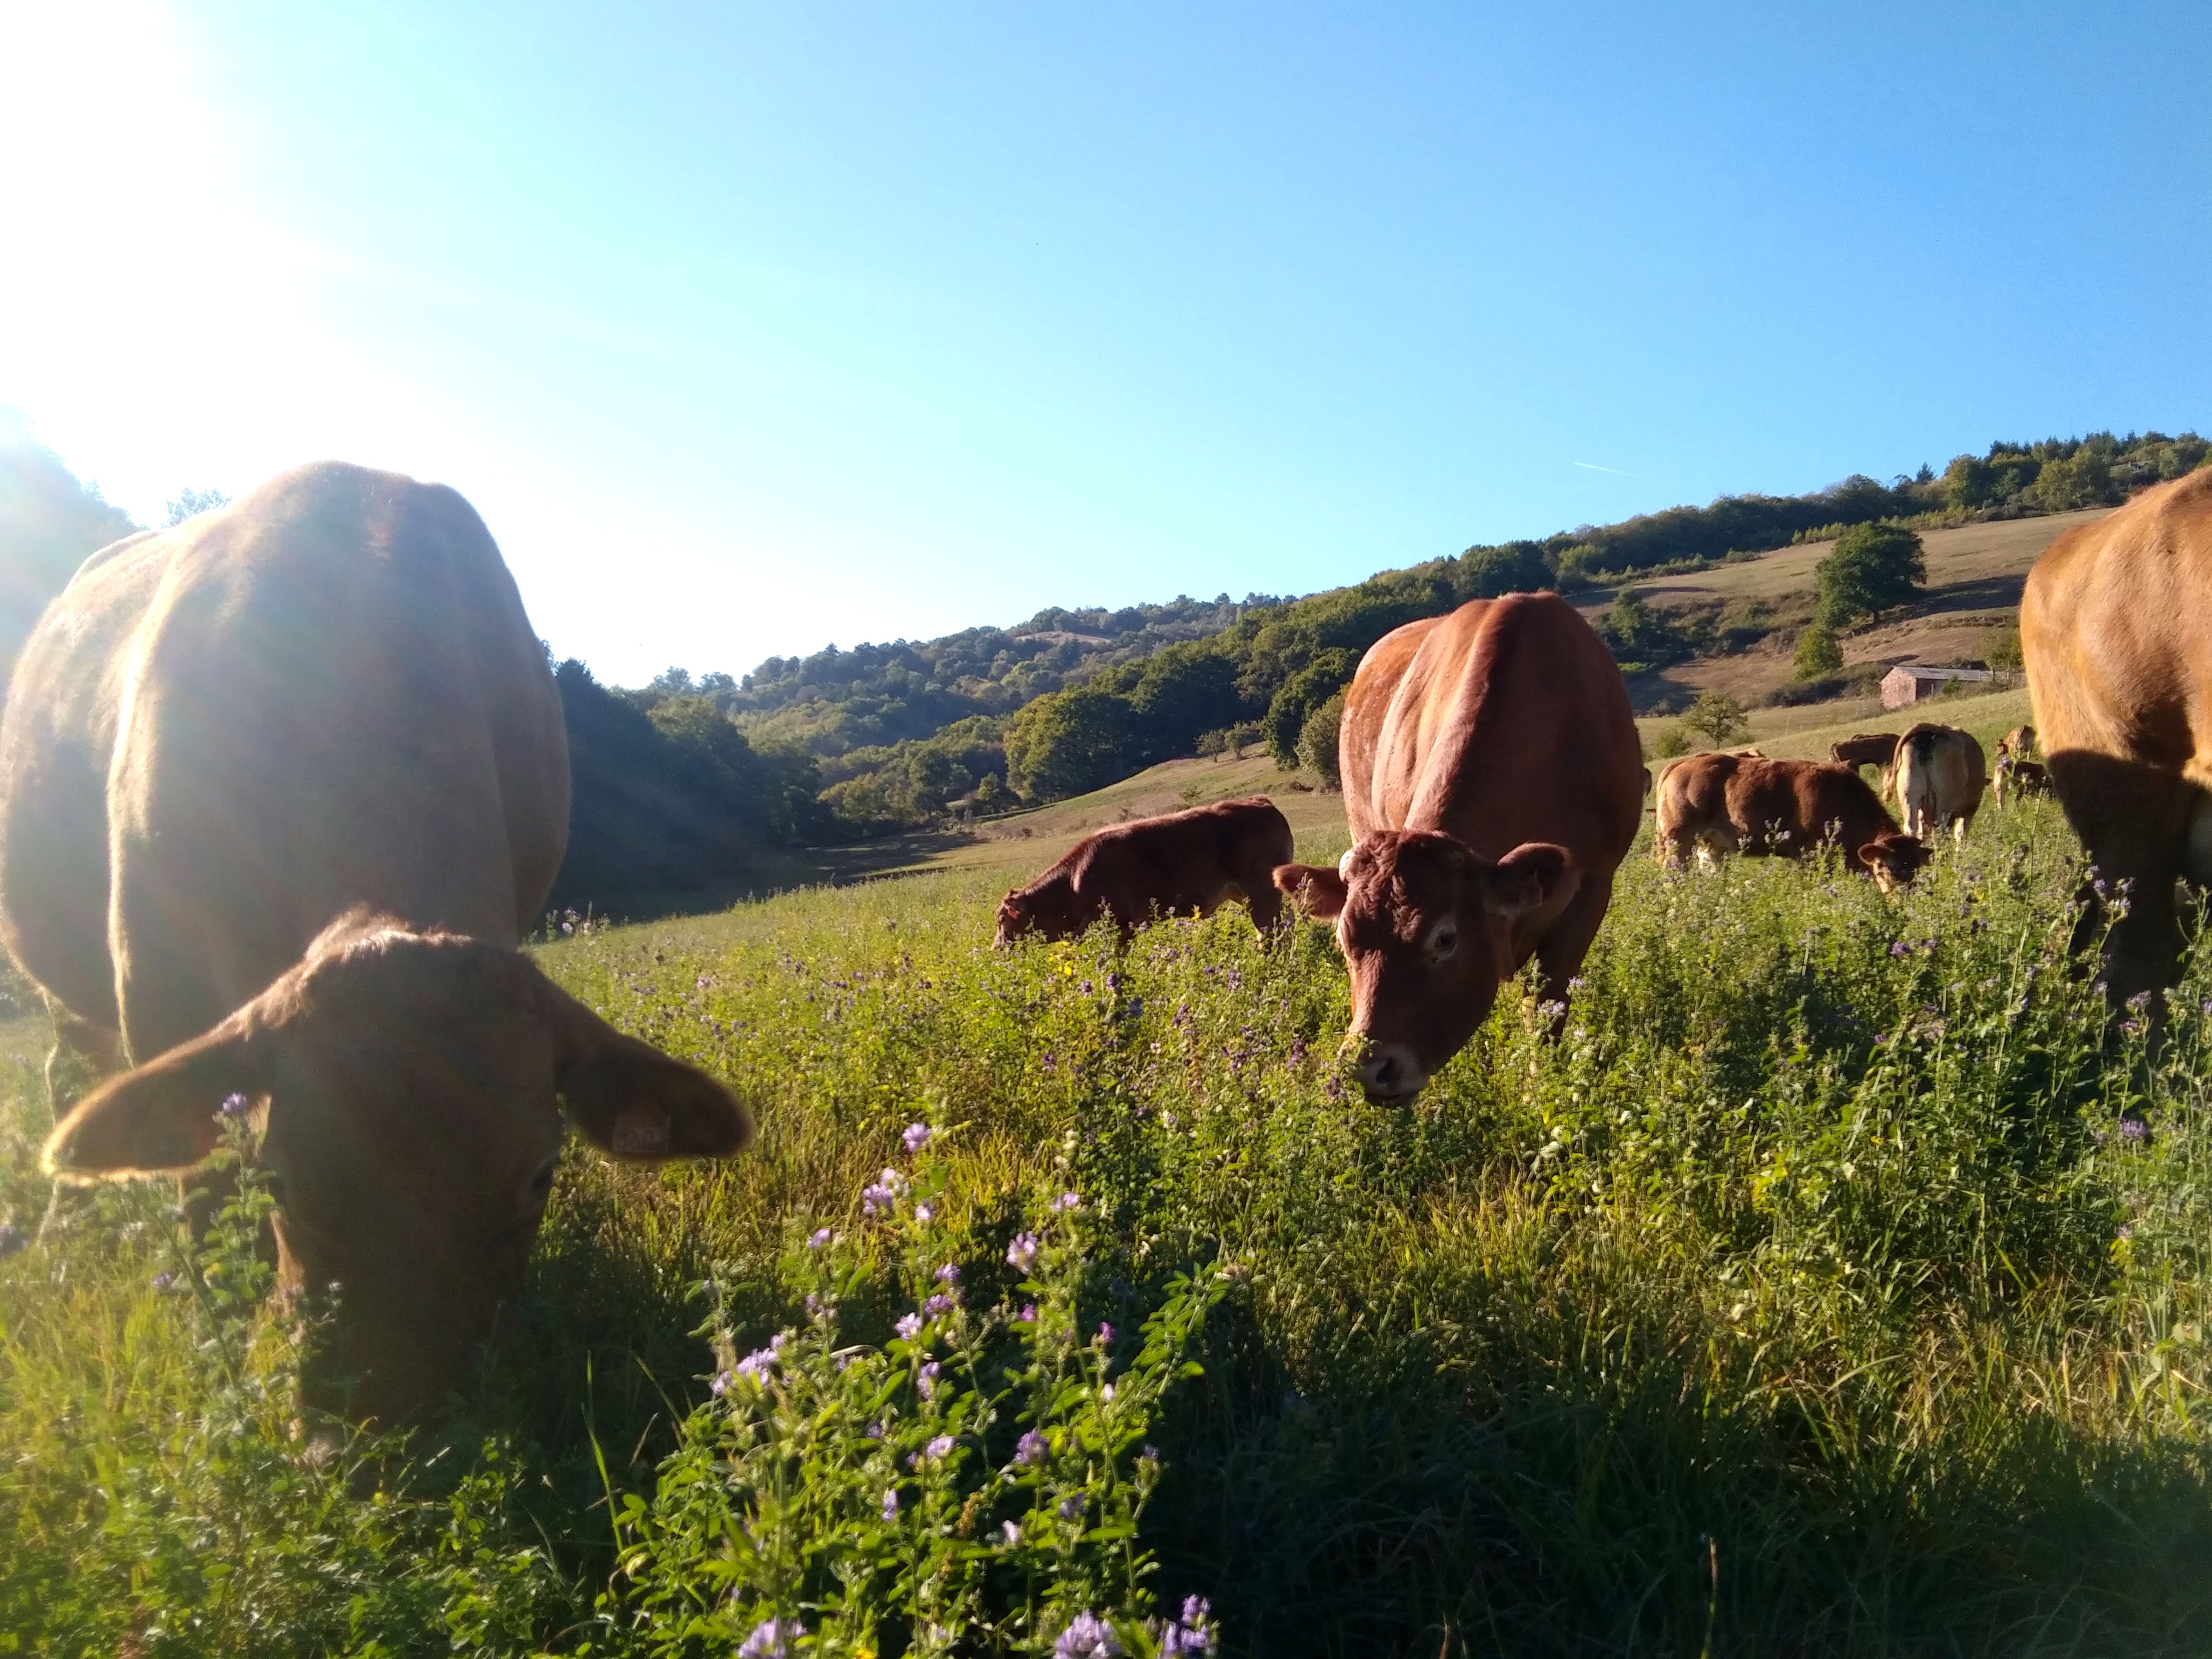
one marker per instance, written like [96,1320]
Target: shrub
[1819,655]
[1670,742]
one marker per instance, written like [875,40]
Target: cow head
[1425,925]
[1015,919]
[411,1088]
[1893,859]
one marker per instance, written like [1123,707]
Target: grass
[1807,1296]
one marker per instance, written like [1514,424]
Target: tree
[1071,743]
[1716,716]
[190,503]
[1819,655]
[2001,649]
[49,521]
[1874,568]
[1317,741]
[1304,692]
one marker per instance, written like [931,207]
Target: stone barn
[1911,682]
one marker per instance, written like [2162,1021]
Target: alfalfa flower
[916,1136]
[1022,1253]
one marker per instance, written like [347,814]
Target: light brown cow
[1939,775]
[279,790]
[2018,743]
[1493,782]
[1714,804]
[1181,864]
[2113,625]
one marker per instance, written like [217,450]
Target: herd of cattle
[282,788]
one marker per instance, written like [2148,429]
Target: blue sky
[749,329]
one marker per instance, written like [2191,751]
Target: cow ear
[630,1099]
[1532,876]
[1321,890]
[159,1116]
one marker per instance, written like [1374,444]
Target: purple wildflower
[1023,1252]
[163,1280]
[1010,1532]
[939,1448]
[876,1198]
[908,1326]
[927,1382]
[771,1638]
[1028,1314]
[1029,1448]
[925,1213]
[1197,1610]
[948,1274]
[720,1385]
[938,1306]
[820,1237]
[1087,1637]
[1083,988]
[1178,1639]
[1105,1333]
[235,1105]
[816,1307]
[1067,1201]
[916,1136]
[1900,949]
[891,1504]
[1070,1507]
[759,1362]
[2134,1128]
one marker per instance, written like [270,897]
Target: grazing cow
[1493,782]
[1941,774]
[1721,803]
[1865,749]
[2018,743]
[2019,778]
[1185,863]
[2113,625]
[280,789]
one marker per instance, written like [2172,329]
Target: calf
[1185,863]
[1941,774]
[2018,744]
[1719,804]
[1869,749]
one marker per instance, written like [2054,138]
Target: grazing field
[1834,1284]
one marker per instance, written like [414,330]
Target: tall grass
[1834,1284]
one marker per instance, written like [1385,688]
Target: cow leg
[2137,823]
[1266,902]
[83,1054]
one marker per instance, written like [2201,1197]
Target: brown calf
[1720,804]
[1183,864]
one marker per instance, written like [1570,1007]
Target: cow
[2018,744]
[1182,864]
[1939,775]
[1719,804]
[2113,628]
[281,788]
[2017,778]
[1492,781]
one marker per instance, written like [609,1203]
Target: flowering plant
[973,1481]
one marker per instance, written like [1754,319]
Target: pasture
[1833,1285]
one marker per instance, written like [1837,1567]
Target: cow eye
[1444,941]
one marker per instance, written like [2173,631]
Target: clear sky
[752,329]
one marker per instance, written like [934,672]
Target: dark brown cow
[1719,804]
[2018,779]
[280,788]
[2114,627]
[1493,782]
[1182,864]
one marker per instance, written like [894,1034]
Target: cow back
[1506,722]
[326,696]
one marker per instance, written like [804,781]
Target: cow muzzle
[1389,1073]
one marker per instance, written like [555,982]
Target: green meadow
[1833,1284]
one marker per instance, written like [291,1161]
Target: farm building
[1911,683]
